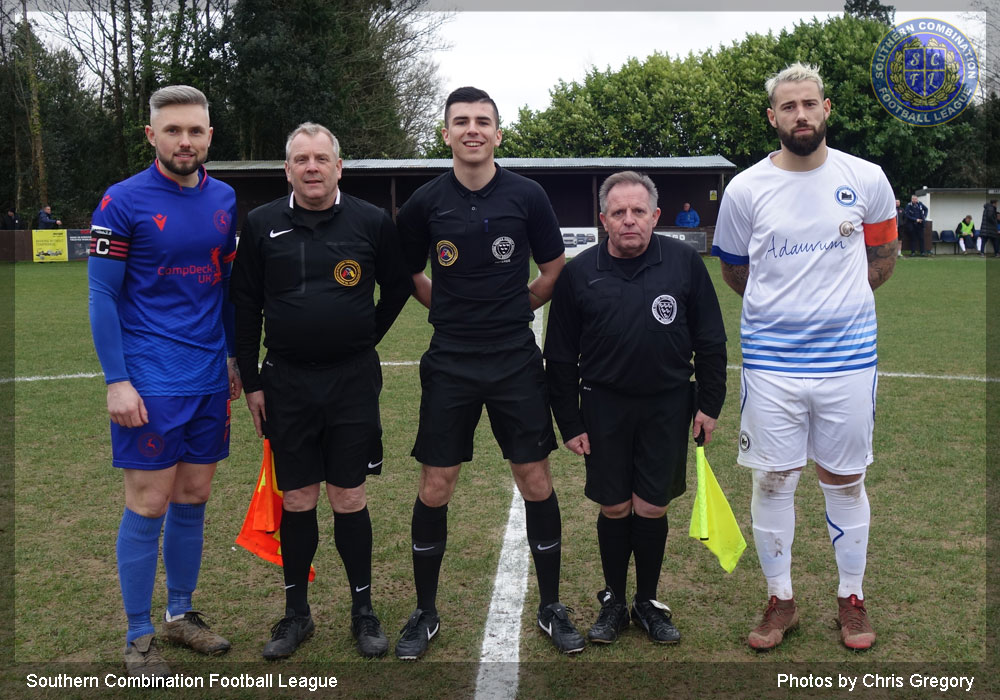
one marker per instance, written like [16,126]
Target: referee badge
[503,248]
[347,272]
[665,309]
[447,253]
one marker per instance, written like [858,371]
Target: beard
[803,145]
[177,168]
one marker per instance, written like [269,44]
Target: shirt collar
[654,254]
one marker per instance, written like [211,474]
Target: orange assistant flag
[712,520]
[260,533]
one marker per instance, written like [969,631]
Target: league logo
[347,272]
[447,253]
[503,248]
[665,309]
[924,72]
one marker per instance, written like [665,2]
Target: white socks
[848,516]
[772,509]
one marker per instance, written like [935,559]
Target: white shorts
[785,421]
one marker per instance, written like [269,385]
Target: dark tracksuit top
[312,275]
[634,329]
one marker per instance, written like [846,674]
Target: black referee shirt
[480,243]
[313,276]
[634,329]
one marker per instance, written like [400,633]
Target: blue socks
[137,550]
[183,538]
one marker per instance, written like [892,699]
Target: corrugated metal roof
[679,163]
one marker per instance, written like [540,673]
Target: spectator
[966,230]
[11,221]
[914,215]
[899,224]
[688,218]
[46,220]
[988,227]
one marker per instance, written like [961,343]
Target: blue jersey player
[161,249]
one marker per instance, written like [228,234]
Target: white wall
[946,209]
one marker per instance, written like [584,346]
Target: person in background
[988,227]
[687,217]
[46,220]
[914,215]
[11,221]
[966,233]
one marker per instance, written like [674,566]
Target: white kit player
[805,236]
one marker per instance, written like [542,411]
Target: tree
[714,103]
[987,48]
[870,9]
[71,126]
[355,66]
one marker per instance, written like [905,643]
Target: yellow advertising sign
[48,245]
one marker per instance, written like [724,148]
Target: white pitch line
[538,338]
[501,651]
[92,375]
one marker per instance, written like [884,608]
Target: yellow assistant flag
[712,520]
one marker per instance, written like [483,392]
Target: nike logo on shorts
[376,464]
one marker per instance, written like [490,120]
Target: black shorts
[457,380]
[638,444]
[323,421]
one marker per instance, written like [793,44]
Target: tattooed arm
[881,262]
[736,275]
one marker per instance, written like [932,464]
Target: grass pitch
[926,583]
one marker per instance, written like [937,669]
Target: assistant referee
[309,263]
[631,320]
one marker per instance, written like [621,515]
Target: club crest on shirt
[846,228]
[503,248]
[347,272]
[665,309]
[846,197]
[221,220]
[447,253]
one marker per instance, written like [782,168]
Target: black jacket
[312,275]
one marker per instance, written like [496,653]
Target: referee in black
[481,224]
[627,317]
[309,262]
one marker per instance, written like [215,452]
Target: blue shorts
[191,429]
